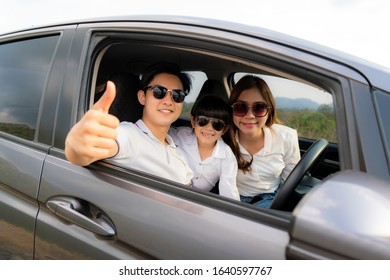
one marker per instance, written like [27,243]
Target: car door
[105,211]
[21,166]
[27,61]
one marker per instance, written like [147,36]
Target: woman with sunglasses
[266,151]
[209,157]
[144,145]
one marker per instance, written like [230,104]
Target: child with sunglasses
[209,157]
[266,151]
[144,145]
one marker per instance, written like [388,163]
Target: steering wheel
[309,160]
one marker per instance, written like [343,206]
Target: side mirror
[345,217]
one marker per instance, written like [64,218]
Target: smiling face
[206,135]
[161,113]
[249,125]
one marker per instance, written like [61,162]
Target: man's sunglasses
[259,109]
[217,124]
[159,92]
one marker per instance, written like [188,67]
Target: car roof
[376,75]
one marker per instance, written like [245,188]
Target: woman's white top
[272,163]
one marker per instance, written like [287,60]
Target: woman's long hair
[245,83]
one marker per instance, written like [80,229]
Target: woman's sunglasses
[217,124]
[259,109]
[159,92]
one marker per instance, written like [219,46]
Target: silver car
[337,201]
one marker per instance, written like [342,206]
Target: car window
[124,61]
[24,67]
[197,78]
[383,103]
[301,106]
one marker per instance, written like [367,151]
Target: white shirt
[272,163]
[221,165]
[139,149]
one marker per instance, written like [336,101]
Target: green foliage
[186,111]
[19,130]
[311,123]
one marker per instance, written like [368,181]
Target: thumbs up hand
[105,102]
[93,137]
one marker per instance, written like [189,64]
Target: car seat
[126,106]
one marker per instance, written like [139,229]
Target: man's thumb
[104,103]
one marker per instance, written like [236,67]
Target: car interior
[214,69]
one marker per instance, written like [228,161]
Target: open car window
[301,103]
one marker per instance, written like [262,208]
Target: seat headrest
[213,87]
[126,105]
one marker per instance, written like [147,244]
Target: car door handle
[71,210]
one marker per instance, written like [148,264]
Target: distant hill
[300,103]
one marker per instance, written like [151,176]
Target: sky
[357,27]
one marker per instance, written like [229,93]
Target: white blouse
[272,163]
[221,165]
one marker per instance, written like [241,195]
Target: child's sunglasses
[241,108]
[217,124]
[159,92]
